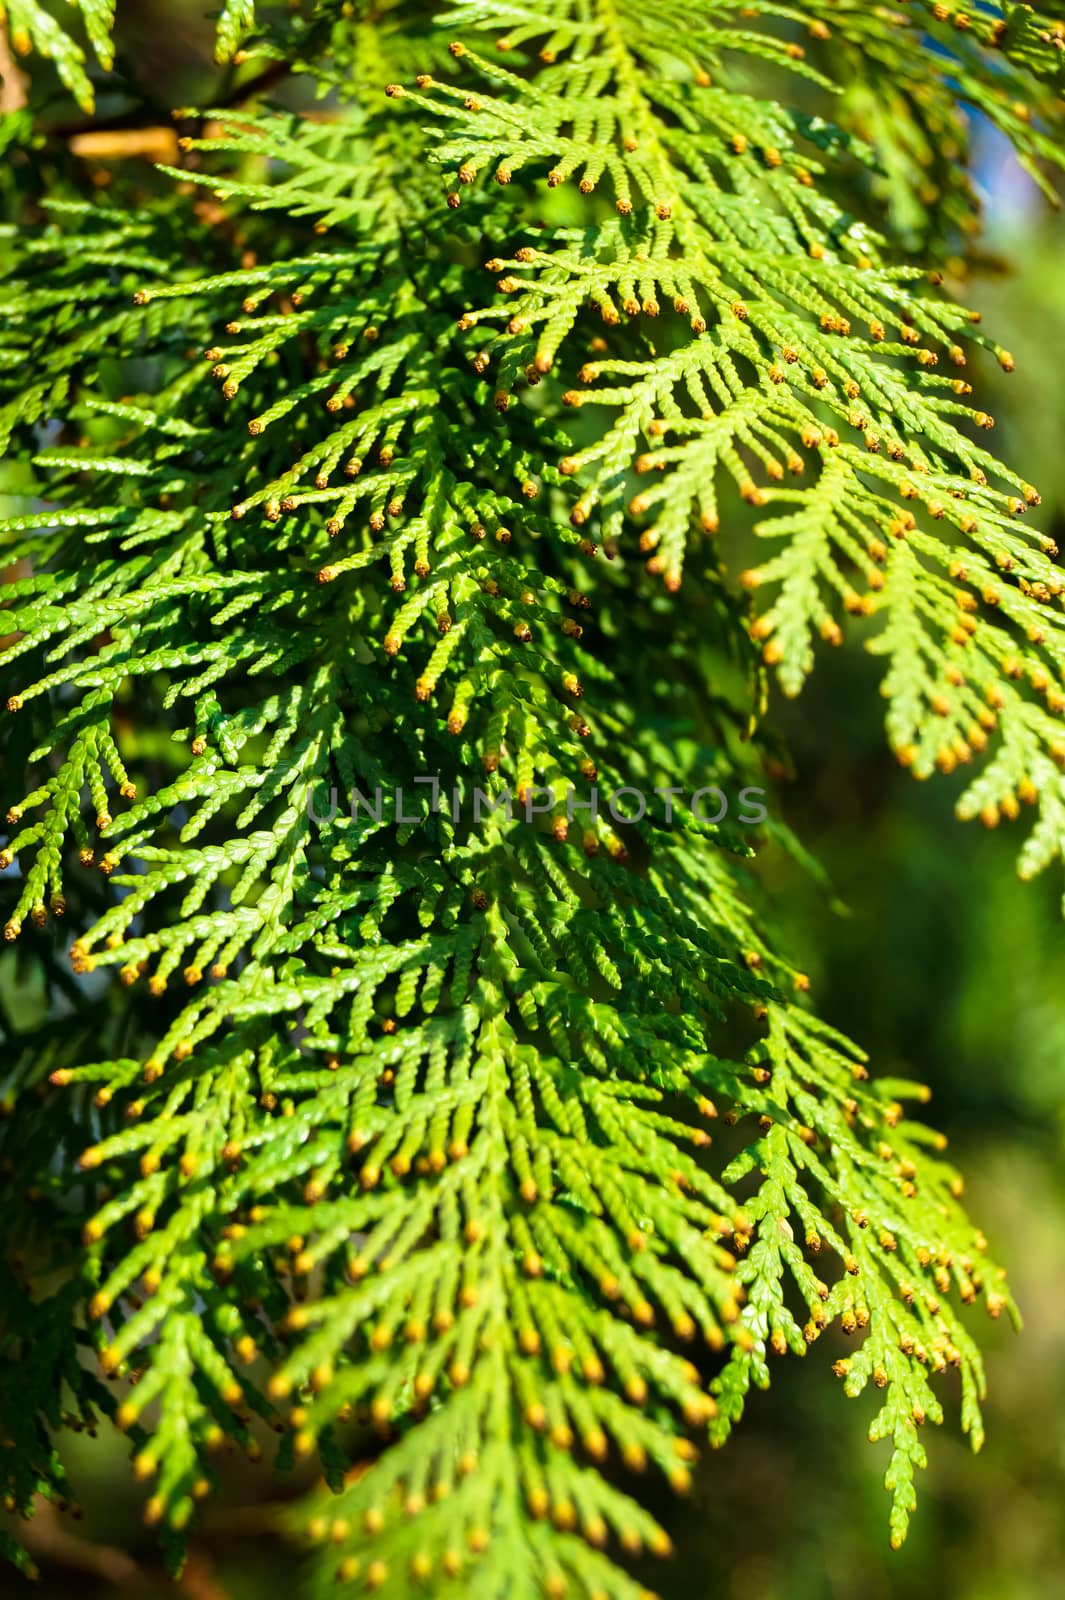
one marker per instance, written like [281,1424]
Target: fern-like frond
[807,352]
[446,1115]
[32,28]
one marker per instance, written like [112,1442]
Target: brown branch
[276,72]
[117,144]
[133,119]
[12,81]
[51,1544]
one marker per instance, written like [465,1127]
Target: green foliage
[730,225]
[32,27]
[394,1132]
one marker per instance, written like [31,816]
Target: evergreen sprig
[807,352]
[396,1131]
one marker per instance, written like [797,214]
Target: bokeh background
[926,948]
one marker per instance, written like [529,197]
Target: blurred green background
[946,968]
